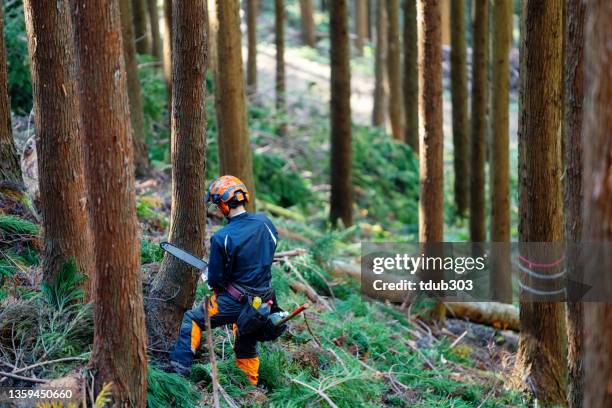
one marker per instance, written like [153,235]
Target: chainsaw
[202,266]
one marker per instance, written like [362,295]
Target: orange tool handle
[293,314]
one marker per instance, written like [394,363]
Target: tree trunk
[59,146]
[573,195]
[499,184]
[252,7]
[458,79]
[308,26]
[141,153]
[431,136]
[167,43]
[119,349]
[341,201]
[445,23]
[361,24]
[235,156]
[156,41]
[176,279]
[597,210]
[394,63]
[279,38]
[411,80]
[141,30]
[381,85]
[478,132]
[9,159]
[213,29]
[541,354]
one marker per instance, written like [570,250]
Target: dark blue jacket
[242,252]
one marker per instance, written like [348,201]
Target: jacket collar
[238,217]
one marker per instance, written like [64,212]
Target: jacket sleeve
[216,263]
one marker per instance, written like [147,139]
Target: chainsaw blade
[186,257]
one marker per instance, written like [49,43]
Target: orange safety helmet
[227,192]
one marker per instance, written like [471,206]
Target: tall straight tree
[597,143]
[394,70]
[461,151]
[141,29]
[175,279]
[235,154]
[501,39]
[341,201]
[213,28]
[251,11]
[141,153]
[361,24]
[573,192]
[9,160]
[541,354]
[478,141]
[59,146]
[381,85]
[411,80]
[431,136]
[119,350]
[156,41]
[167,48]
[308,26]
[279,39]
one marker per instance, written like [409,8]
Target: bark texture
[573,192]
[63,198]
[458,77]
[235,156]
[279,39]
[141,29]
[361,24]
[308,26]
[431,136]
[478,141]
[394,70]
[541,354]
[597,212]
[499,181]
[119,349]
[251,11]
[141,153]
[156,41]
[9,159]
[341,201]
[177,280]
[411,80]
[381,84]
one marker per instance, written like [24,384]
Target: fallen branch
[499,315]
[293,236]
[317,391]
[211,355]
[305,287]
[43,363]
[21,378]
[289,254]
[281,211]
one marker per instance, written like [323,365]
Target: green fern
[105,396]
[65,288]
[11,224]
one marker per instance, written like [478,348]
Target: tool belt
[241,294]
[251,322]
